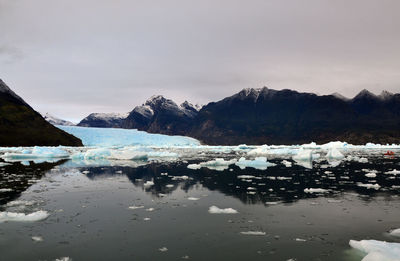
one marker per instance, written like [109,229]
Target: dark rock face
[264,116]
[161,115]
[103,120]
[20,125]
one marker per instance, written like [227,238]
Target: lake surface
[159,210]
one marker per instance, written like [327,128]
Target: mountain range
[20,125]
[266,116]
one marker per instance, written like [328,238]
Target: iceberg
[315,190]
[216,164]
[217,210]
[21,217]
[107,137]
[253,233]
[24,154]
[369,186]
[261,150]
[377,250]
[395,232]
[303,155]
[334,153]
[260,163]
[393,172]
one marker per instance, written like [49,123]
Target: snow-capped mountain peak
[56,121]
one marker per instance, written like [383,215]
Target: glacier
[106,137]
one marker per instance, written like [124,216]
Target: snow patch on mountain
[56,121]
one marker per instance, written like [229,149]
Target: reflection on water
[90,215]
[252,186]
[17,177]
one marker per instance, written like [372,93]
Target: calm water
[90,218]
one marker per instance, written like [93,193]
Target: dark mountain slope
[161,115]
[20,125]
[259,116]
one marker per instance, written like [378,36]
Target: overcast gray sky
[74,57]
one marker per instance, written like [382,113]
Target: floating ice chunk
[335,145]
[21,217]
[194,166]
[377,250]
[395,232]
[127,154]
[146,219]
[94,154]
[370,175]
[287,164]
[193,198]
[261,150]
[369,186]
[217,164]
[258,163]
[36,153]
[150,209]
[315,190]
[184,177]
[135,207]
[149,183]
[303,155]
[217,210]
[5,190]
[393,172]
[300,240]
[311,145]
[37,239]
[163,249]
[245,177]
[334,153]
[253,233]
[20,203]
[162,154]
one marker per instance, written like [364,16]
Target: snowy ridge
[144,110]
[56,121]
[107,116]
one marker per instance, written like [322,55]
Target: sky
[74,57]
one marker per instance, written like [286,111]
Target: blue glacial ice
[108,137]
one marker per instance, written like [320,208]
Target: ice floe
[217,210]
[216,164]
[253,233]
[377,250]
[395,232]
[315,190]
[393,172]
[21,217]
[334,153]
[37,239]
[369,186]
[287,164]
[258,163]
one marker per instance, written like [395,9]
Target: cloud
[102,56]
